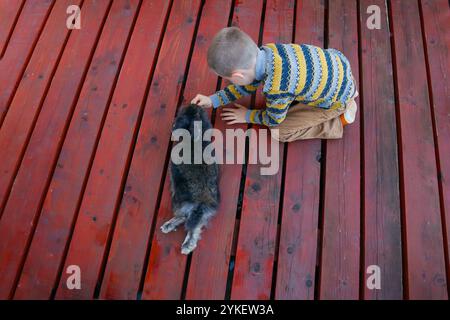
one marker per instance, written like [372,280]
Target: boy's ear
[237,74]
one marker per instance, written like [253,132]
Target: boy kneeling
[310,92]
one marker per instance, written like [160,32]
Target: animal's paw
[168,227]
[188,246]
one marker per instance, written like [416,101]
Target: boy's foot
[349,115]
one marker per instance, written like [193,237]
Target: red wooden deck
[85,120]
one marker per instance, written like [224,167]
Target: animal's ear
[176,124]
[181,122]
[206,123]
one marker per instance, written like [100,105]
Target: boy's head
[232,55]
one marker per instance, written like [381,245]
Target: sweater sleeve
[233,92]
[275,112]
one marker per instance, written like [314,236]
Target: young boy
[309,91]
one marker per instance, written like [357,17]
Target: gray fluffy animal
[194,187]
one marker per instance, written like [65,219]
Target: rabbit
[194,187]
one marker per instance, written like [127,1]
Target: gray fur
[194,187]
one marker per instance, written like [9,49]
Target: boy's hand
[202,101]
[234,115]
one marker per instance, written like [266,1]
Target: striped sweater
[292,72]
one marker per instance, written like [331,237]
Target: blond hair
[231,49]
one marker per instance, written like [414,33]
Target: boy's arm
[275,112]
[233,92]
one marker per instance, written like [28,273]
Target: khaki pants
[306,122]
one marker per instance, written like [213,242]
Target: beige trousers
[306,122]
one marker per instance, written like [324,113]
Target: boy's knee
[278,135]
[275,133]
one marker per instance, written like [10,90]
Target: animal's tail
[200,213]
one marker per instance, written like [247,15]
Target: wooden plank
[17,126]
[98,207]
[297,252]
[165,261]
[423,228]
[21,210]
[20,46]
[166,267]
[381,200]
[259,220]
[39,275]
[436,25]
[126,260]
[9,12]
[29,96]
[210,261]
[341,212]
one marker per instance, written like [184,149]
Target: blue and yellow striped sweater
[304,73]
